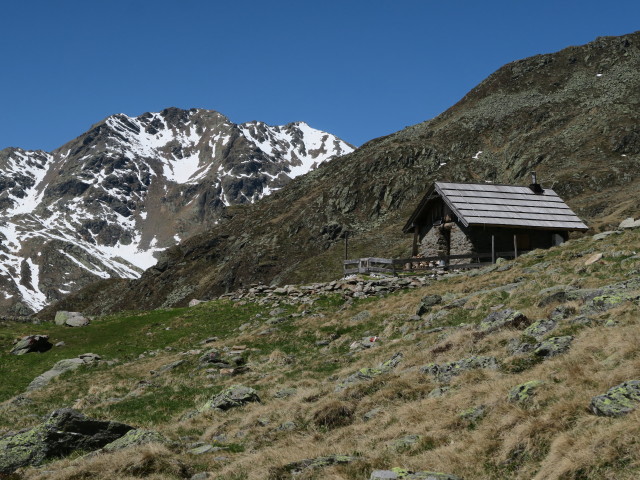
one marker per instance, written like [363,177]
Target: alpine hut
[489,220]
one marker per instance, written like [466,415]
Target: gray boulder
[553,346]
[618,400]
[234,396]
[70,319]
[446,371]
[61,367]
[63,432]
[503,319]
[523,393]
[629,223]
[31,343]
[135,437]
[368,373]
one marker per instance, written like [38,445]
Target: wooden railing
[396,266]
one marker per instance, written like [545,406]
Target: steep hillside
[526,369]
[104,204]
[573,116]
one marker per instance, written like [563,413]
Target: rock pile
[353,287]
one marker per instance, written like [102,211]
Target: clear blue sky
[357,68]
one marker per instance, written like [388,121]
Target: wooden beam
[493,248]
[515,245]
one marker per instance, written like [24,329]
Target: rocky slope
[572,116]
[104,204]
[526,369]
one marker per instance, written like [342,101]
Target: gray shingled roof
[501,205]
[508,205]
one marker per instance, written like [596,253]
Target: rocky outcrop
[503,319]
[61,367]
[368,373]
[63,432]
[618,400]
[135,437]
[446,371]
[32,343]
[231,397]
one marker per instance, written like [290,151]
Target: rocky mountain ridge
[572,116]
[103,205]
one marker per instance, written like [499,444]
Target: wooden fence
[408,266]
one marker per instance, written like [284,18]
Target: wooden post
[346,245]
[493,248]
[414,249]
[515,245]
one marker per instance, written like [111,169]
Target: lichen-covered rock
[31,343]
[135,437]
[503,319]
[522,393]
[553,346]
[401,473]
[473,415]
[234,396]
[540,328]
[61,367]
[618,400]
[444,372]
[427,302]
[367,373]
[63,432]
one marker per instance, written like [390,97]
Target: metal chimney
[535,186]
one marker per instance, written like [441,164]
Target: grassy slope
[552,437]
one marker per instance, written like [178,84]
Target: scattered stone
[195,302]
[473,415]
[287,426]
[201,476]
[61,367]
[372,413]
[209,340]
[70,319]
[438,392]
[60,344]
[168,367]
[618,400]
[553,346]
[364,343]
[285,392]
[596,257]
[446,371]
[522,393]
[503,319]
[231,397]
[63,432]
[365,374]
[134,438]
[540,328]
[603,235]
[404,442]
[629,223]
[427,302]
[31,344]
[361,316]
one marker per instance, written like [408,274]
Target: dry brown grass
[553,436]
